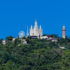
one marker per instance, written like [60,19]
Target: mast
[27,32]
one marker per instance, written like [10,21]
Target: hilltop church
[36,31]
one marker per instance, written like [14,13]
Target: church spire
[35,23]
[36,31]
[40,27]
[31,27]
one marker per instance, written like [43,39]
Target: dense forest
[35,55]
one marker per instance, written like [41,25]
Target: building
[64,32]
[24,41]
[33,37]
[44,37]
[50,37]
[36,32]
[3,42]
[54,40]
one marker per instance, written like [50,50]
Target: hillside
[36,55]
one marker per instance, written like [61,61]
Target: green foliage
[36,55]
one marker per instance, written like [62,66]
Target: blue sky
[16,15]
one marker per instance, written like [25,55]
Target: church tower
[64,32]
[36,32]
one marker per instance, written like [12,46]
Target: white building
[44,37]
[3,42]
[36,32]
[24,41]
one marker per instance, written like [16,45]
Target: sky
[16,15]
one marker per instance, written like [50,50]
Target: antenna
[27,32]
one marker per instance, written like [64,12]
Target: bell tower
[36,31]
[64,32]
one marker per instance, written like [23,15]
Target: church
[36,31]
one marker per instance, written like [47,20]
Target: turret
[64,32]
[36,31]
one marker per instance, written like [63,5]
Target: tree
[9,39]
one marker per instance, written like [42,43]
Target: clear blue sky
[15,15]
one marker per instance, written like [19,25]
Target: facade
[36,32]
[63,31]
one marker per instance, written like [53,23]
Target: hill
[35,55]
